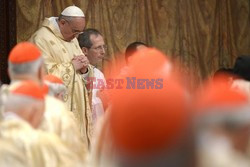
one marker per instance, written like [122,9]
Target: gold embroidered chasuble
[57,54]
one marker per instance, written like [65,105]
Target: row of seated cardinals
[143,126]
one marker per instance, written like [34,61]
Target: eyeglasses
[100,48]
[74,31]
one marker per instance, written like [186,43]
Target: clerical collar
[53,20]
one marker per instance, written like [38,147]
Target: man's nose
[103,50]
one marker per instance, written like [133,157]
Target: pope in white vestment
[58,54]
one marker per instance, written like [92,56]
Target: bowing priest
[57,39]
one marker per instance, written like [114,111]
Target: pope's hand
[85,62]
[77,63]
[80,63]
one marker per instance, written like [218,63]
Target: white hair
[55,88]
[25,68]
[228,117]
[15,103]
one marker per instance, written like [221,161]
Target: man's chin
[100,60]
[96,63]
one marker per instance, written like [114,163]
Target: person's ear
[62,22]
[85,50]
[40,73]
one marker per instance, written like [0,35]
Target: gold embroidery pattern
[65,97]
[66,64]
[66,77]
[68,70]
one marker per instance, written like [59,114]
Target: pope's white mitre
[73,11]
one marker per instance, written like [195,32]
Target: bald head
[25,62]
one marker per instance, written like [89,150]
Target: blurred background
[203,35]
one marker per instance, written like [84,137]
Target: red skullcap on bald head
[149,119]
[24,52]
[219,93]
